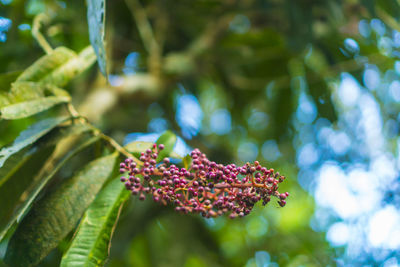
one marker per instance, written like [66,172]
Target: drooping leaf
[29,136]
[19,189]
[59,67]
[57,213]
[29,108]
[13,188]
[16,161]
[96,20]
[91,243]
[168,139]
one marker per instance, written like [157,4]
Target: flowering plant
[204,187]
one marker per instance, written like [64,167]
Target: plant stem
[97,132]
[38,35]
[223,186]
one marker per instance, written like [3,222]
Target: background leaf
[16,183]
[27,91]
[26,179]
[24,91]
[47,64]
[137,147]
[7,78]
[29,136]
[59,67]
[56,214]
[16,161]
[187,160]
[168,139]
[91,243]
[29,108]
[96,20]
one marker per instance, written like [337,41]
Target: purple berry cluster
[206,187]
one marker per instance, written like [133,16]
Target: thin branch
[143,25]
[37,22]
[97,132]
[213,31]
[388,19]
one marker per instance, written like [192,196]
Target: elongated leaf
[90,246]
[168,139]
[14,186]
[29,108]
[47,64]
[29,136]
[16,161]
[20,189]
[59,67]
[20,92]
[96,15]
[56,214]
[26,91]
[70,69]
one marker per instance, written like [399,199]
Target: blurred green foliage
[248,58]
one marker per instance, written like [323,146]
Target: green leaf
[24,91]
[175,155]
[63,74]
[187,161]
[16,161]
[59,67]
[168,139]
[29,108]
[91,243]
[47,64]
[96,15]
[6,79]
[17,183]
[4,100]
[29,136]
[27,91]
[19,189]
[137,147]
[56,214]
